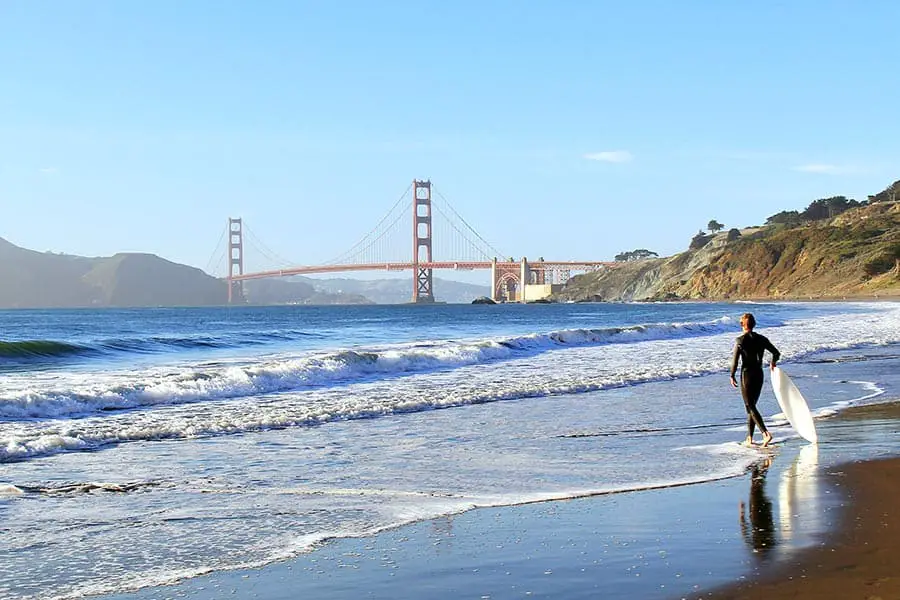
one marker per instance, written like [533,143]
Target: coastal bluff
[853,255]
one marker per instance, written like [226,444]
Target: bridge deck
[408,266]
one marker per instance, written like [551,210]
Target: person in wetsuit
[749,350]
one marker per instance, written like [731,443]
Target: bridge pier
[523,279]
[494,296]
[506,281]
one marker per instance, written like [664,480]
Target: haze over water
[140,447]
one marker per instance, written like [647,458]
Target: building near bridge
[534,292]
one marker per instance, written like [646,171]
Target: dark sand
[860,558]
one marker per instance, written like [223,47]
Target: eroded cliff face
[853,255]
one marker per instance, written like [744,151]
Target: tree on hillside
[733,234]
[890,194]
[714,226]
[639,254]
[786,217]
[826,208]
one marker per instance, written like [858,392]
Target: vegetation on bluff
[835,248]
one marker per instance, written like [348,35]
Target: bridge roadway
[408,266]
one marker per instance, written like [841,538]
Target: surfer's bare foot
[767,439]
[748,442]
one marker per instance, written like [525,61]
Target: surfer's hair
[749,319]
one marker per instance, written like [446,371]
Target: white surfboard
[793,405]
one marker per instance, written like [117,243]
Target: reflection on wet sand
[757,515]
[798,513]
[799,498]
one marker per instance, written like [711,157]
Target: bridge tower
[423,289]
[235,258]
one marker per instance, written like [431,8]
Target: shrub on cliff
[639,254]
[700,240]
[884,262]
[785,217]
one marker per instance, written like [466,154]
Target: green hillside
[797,255]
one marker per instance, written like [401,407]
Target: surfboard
[793,405]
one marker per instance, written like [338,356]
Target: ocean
[143,447]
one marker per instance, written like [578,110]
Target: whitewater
[139,447]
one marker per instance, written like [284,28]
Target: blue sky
[568,130]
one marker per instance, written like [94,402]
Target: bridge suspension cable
[275,259]
[375,244]
[454,239]
[217,258]
[486,249]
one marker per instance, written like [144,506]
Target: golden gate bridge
[446,243]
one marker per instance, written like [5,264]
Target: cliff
[856,254]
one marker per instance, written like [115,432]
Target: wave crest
[223,381]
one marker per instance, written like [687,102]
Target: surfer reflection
[757,518]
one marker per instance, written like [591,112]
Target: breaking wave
[275,374]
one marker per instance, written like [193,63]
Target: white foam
[7,489]
[310,389]
[79,395]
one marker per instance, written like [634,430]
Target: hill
[45,280]
[399,290]
[295,291]
[852,255]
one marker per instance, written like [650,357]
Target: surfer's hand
[733,381]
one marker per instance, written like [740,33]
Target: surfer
[749,350]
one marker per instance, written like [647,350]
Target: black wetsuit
[749,350]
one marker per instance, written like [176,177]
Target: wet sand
[860,557]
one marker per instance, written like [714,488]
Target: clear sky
[566,129]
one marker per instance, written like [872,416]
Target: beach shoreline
[672,543]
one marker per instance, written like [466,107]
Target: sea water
[139,447]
